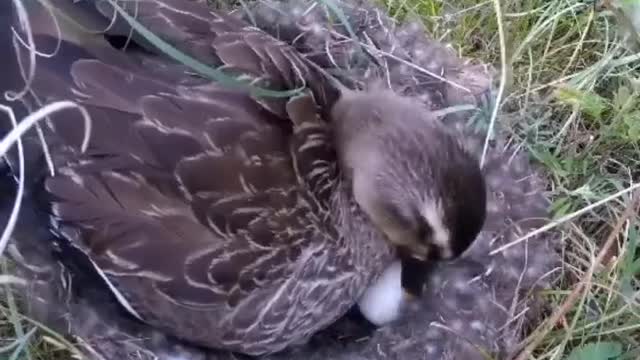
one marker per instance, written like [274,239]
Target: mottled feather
[220,178]
[470,296]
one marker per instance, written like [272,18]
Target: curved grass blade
[198,66]
[335,9]
[331,5]
[22,344]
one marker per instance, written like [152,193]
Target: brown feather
[217,176]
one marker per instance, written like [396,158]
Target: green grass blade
[198,66]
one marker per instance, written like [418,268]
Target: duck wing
[213,38]
[193,202]
[185,24]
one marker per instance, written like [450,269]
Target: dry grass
[569,93]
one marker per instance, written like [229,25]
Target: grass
[571,96]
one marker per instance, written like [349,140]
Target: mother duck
[225,219]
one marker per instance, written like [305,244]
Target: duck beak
[408,296]
[414,276]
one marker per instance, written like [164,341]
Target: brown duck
[228,219]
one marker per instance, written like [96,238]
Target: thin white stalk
[568,217]
[503,80]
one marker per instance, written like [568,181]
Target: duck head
[411,175]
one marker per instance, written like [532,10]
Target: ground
[569,94]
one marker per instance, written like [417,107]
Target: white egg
[175,357]
[179,355]
[382,301]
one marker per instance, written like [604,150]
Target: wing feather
[126,217]
[220,178]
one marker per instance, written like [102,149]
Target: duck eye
[424,231]
[398,216]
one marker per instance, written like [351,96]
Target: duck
[212,215]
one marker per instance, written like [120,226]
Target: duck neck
[356,231]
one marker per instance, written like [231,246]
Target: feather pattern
[241,190]
[258,219]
